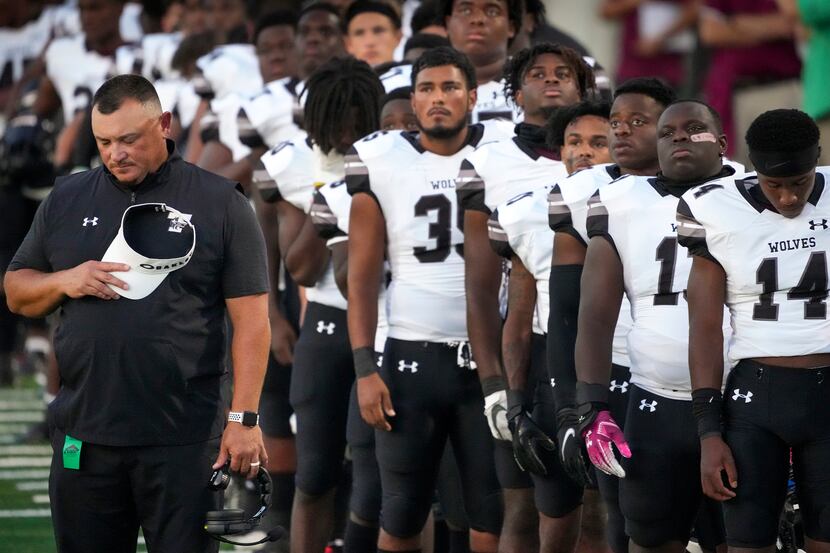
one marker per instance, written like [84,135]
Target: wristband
[364,361]
[707,406]
[591,393]
[492,384]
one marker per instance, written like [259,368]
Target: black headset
[229,522]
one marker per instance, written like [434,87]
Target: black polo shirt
[149,371]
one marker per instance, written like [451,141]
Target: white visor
[155,229]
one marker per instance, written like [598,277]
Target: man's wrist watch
[245,418]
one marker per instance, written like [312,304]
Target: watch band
[245,418]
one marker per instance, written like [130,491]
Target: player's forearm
[601,287]
[517,332]
[249,349]
[482,278]
[33,293]
[705,294]
[307,256]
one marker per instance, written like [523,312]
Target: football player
[537,80]
[426,391]
[483,30]
[632,143]
[759,245]
[633,249]
[322,373]
[519,232]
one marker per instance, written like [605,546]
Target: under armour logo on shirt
[553,383]
[324,327]
[818,224]
[412,367]
[90,221]
[736,394]
[379,362]
[623,388]
[650,405]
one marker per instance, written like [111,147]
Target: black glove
[572,452]
[528,437]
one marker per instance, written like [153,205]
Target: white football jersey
[15,53]
[776,268]
[152,57]
[637,216]
[290,175]
[76,72]
[415,190]
[498,170]
[491,103]
[520,226]
[330,215]
[568,212]
[227,69]
[397,77]
[263,120]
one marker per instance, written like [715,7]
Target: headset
[229,522]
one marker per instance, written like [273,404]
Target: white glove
[495,410]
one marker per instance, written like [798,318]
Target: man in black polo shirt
[136,425]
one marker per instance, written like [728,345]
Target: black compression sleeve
[562,324]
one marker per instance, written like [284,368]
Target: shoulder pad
[377,144]
[290,165]
[524,213]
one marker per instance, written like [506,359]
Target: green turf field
[25,523]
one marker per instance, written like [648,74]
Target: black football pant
[163,490]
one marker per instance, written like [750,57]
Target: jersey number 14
[811,288]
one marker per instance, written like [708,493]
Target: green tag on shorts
[72,453]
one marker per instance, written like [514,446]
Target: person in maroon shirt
[643,55]
[753,43]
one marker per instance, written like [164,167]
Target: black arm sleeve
[245,268]
[562,326]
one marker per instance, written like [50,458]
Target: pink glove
[599,436]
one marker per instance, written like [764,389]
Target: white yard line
[22,416]
[25,450]
[24,462]
[25,513]
[36,405]
[34,474]
[32,486]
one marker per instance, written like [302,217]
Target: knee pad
[405,517]
[317,474]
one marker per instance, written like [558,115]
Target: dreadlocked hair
[340,87]
[517,67]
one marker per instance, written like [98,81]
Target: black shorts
[435,399]
[321,381]
[162,489]
[767,411]
[660,497]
